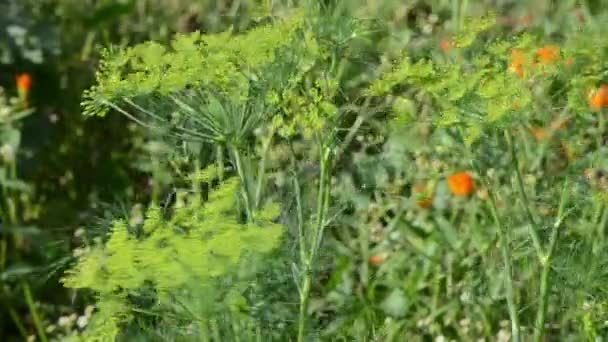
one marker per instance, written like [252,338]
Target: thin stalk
[456,15]
[34,312]
[4,241]
[196,183]
[204,333]
[14,315]
[524,198]
[219,156]
[3,249]
[504,247]
[464,6]
[364,244]
[506,257]
[262,171]
[304,299]
[601,227]
[17,321]
[322,202]
[322,208]
[300,211]
[10,220]
[352,131]
[215,331]
[541,313]
[300,217]
[244,183]
[156,190]
[601,128]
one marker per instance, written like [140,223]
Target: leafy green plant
[477,95]
[170,266]
[281,79]
[321,111]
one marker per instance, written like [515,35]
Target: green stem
[464,6]
[456,15]
[244,183]
[322,208]
[533,228]
[196,183]
[506,257]
[34,312]
[220,162]
[13,314]
[155,180]
[300,217]
[304,299]
[601,128]
[262,171]
[17,321]
[215,331]
[541,314]
[10,220]
[3,250]
[504,247]
[322,201]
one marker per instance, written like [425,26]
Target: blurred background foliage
[81,167]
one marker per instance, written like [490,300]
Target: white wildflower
[82,321]
[64,321]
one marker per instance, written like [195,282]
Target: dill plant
[167,266]
[229,92]
[288,85]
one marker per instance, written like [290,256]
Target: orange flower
[377,259]
[461,184]
[599,98]
[548,54]
[446,45]
[569,61]
[518,59]
[24,83]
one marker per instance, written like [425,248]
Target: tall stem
[300,217]
[262,171]
[504,248]
[219,157]
[156,189]
[244,183]
[37,321]
[317,234]
[524,198]
[304,299]
[506,257]
[541,313]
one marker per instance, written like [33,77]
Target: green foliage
[225,62]
[174,259]
[345,112]
[483,90]
[472,28]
